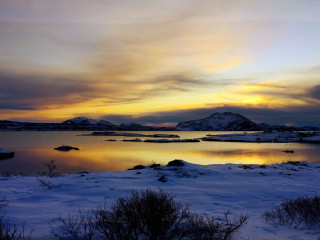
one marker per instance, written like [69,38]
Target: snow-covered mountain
[220,121]
[86,121]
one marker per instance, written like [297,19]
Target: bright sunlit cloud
[62,59]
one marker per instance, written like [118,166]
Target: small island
[66,148]
[5,153]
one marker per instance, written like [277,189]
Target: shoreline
[158,167]
[210,189]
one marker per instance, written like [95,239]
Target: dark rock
[155,165]
[288,151]
[246,166]
[4,154]
[175,163]
[66,148]
[163,179]
[137,167]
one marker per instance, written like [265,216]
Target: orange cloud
[128,57]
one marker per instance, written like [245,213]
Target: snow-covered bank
[171,140]
[275,137]
[125,134]
[210,190]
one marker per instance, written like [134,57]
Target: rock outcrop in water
[5,153]
[66,148]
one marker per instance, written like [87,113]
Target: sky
[160,62]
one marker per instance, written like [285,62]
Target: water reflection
[33,149]
[31,160]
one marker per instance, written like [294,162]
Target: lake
[33,149]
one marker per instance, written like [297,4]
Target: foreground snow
[211,190]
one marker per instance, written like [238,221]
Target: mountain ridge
[219,121]
[86,121]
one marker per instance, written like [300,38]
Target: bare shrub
[51,166]
[6,174]
[79,227]
[47,183]
[12,232]
[144,215]
[206,228]
[299,212]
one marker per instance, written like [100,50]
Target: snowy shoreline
[211,190]
[267,137]
[258,137]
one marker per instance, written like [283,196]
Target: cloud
[311,115]
[283,92]
[126,91]
[130,63]
[31,92]
[315,92]
[93,56]
[36,92]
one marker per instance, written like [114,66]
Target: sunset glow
[165,60]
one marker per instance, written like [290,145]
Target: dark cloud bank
[303,116]
[23,92]
[31,92]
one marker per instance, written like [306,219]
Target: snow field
[211,190]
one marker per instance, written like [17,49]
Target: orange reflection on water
[96,154]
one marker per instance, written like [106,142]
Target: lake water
[33,149]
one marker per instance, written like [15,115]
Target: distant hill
[83,122]
[220,121]
[78,124]
[86,121]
